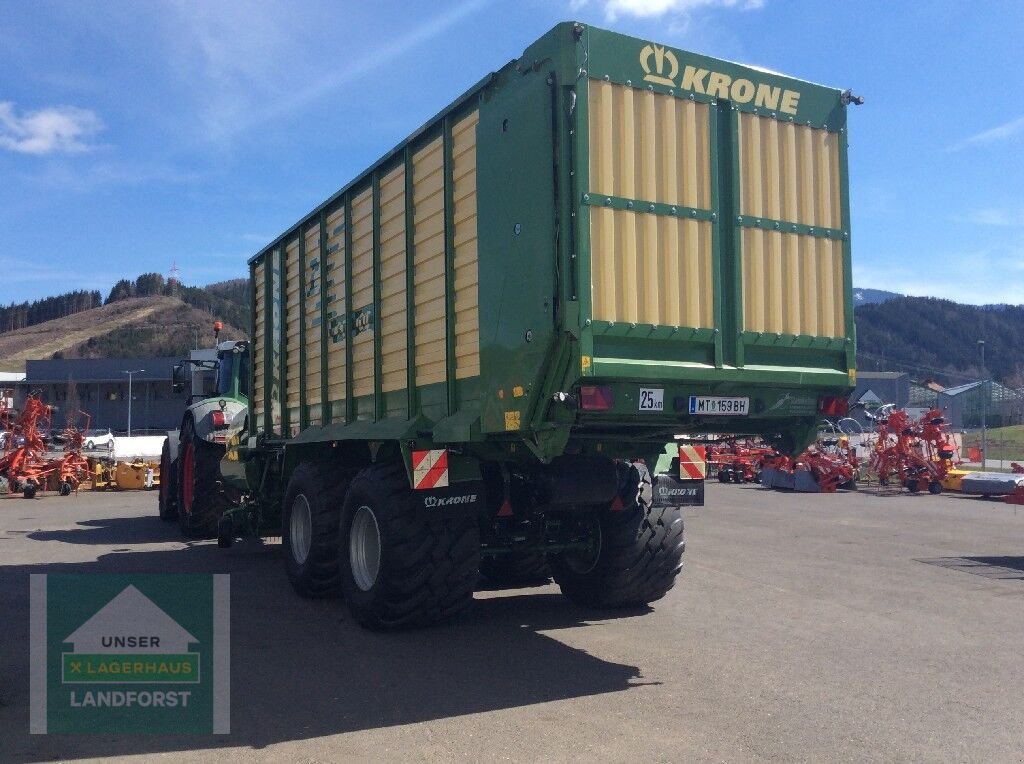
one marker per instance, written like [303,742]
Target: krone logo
[677,491]
[432,502]
[661,56]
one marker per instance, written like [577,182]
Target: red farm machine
[24,462]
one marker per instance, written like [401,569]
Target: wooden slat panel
[651,269]
[291,318]
[362,290]
[649,146]
[259,370]
[789,172]
[394,336]
[335,304]
[312,291]
[428,280]
[467,317]
[793,284]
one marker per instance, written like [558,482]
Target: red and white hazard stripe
[692,462]
[430,469]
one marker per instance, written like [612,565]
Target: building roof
[951,391]
[881,374]
[98,370]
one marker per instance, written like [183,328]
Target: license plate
[652,399]
[710,405]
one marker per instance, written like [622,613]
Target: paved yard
[845,627]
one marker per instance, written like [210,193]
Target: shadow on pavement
[112,530]
[1002,567]
[303,669]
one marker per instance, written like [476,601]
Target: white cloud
[647,9]
[994,216]
[1003,132]
[56,129]
[246,75]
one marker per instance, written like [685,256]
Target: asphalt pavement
[848,627]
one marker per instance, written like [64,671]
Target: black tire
[913,485]
[29,492]
[516,568]
[428,566]
[935,488]
[318,489]
[167,501]
[640,555]
[65,488]
[201,498]
[723,476]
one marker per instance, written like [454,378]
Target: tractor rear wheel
[399,567]
[167,502]
[201,498]
[637,557]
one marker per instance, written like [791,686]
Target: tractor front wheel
[200,487]
[167,502]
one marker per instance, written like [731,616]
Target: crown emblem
[661,57]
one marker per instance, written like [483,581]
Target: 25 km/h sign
[130,654]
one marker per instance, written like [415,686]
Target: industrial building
[100,388]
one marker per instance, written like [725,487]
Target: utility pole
[130,373]
[984,406]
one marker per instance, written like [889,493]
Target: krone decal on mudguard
[462,500]
[670,492]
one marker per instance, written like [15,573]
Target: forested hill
[226,300]
[21,315]
[929,337]
[139,318]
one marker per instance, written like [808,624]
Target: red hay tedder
[24,464]
[916,455]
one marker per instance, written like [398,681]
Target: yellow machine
[126,476]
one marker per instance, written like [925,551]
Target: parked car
[99,439]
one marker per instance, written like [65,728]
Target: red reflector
[596,398]
[617,505]
[833,405]
[218,419]
[506,509]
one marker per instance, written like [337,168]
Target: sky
[135,136]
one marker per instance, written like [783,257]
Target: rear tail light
[833,405]
[218,419]
[596,398]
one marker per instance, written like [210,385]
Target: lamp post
[984,406]
[130,373]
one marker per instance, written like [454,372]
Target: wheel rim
[188,471]
[581,561]
[364,548]
[300,529]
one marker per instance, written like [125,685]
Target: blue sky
[134,135]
